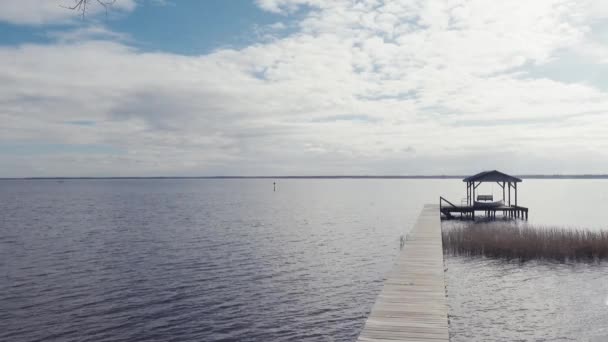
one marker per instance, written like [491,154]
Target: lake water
[231,260]
[491,300]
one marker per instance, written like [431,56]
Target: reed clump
[523,243]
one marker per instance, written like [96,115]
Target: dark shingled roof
[492,176]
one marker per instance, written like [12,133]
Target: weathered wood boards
[449,211]
[412,304]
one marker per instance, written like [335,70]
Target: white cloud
[361,87]
[89,32]
[288,6]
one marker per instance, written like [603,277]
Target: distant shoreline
[311,177]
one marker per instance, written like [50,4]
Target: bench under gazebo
[485,202]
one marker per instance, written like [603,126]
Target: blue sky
[186,27]
[303,87]
[195,27]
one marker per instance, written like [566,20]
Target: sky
[303,87]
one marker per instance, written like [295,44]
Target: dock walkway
[412,305]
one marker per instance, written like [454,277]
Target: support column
[473,195]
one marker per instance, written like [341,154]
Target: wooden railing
[441,200]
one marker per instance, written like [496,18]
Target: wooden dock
[486,203]
[450,210]
[412,305]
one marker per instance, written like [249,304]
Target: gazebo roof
[492,176]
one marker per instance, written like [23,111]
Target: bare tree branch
[82,5]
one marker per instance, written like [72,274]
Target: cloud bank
[359,87]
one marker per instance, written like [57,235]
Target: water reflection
[500,300]
[202,260]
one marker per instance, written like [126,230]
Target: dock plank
[412,305]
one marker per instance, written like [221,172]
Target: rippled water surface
[491,300]
[231,260]
[196,260]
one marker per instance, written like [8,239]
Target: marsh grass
[523,243]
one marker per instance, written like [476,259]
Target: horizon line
[525,176]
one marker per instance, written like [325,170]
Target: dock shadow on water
[499,296]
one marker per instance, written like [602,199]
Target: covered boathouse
[485,203]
